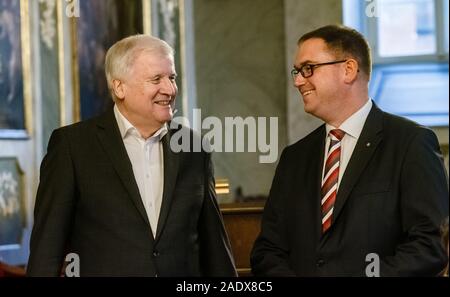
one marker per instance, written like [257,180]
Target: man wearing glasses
[362,195]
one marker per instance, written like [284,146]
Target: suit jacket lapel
[365,147]
[171,164]
[111,140]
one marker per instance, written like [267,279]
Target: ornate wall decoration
[168,10]
[169,25]
[47,22]
[12,213]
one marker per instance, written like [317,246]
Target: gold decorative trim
[26,65]
[243,271]
[147,17]
[8,184]
[75,71]
[244,207]
[61,65]
[222,186]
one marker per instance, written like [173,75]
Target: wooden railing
[243,223]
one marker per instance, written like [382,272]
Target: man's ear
[118,89]
[351,70]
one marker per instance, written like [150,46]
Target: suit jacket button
[320,262]
[155,254]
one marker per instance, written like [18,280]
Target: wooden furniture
[242,222]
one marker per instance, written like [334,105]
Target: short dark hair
[344,41]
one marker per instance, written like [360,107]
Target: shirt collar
[125,127]
[355,123]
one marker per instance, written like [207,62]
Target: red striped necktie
[330,177]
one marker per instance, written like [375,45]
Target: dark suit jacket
[391,201]
[88,203]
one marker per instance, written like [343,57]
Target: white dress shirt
[146,156]
[352,128]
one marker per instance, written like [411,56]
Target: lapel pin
[368,144]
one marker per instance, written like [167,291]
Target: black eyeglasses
[307,69]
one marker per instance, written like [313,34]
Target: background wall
[240,57]
[301,17]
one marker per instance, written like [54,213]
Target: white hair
[121,56]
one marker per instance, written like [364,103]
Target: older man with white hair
[114,193]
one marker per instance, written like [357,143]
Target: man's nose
[299,80]
[169,87]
